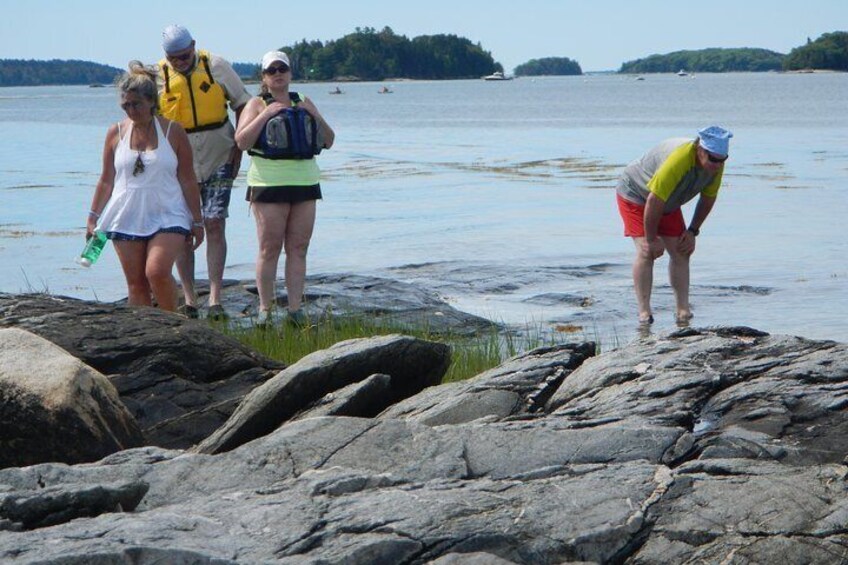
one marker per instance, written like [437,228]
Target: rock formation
[723,445]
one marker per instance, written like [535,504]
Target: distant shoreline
[348,80]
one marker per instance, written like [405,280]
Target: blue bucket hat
[176,38]
[715,139]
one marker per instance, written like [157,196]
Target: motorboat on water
[497,75]
[682,73]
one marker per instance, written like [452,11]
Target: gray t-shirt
[670,171]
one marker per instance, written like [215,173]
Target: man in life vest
[195,87]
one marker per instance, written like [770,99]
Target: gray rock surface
[705,446]
[361,399]
[56,505]
[413,364]
[737,393]
[379,299]
[520,386]
[179,378]
[52,404]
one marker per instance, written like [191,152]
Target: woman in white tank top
[147,200]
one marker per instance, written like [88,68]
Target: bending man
[650,193]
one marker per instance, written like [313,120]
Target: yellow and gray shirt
[670,171]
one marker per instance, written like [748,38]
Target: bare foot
[683,318]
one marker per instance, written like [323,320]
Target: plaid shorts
[215,193]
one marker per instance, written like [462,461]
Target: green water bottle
[93,248]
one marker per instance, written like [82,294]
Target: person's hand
[197,233]
[652,249]
[686,243]
[273,109]
[307,105]
[235,160]
[90,224]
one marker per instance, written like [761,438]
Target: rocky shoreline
[138,436]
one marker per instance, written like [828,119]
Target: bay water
[498,195]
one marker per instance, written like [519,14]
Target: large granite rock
[53,405]
[412,365]
[179,378]
[736,392]
[715,446]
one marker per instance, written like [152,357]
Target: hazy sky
[598,34]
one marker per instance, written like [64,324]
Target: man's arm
[702,210]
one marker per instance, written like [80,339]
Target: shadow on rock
[179,378]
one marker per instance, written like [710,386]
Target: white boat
[497,75]
[682,73]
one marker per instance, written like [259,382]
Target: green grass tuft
[470,356]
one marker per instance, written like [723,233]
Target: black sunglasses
[135,104]
[714,159]
[183,57]
[274,70]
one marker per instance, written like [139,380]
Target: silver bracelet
[95,214]
[198,225]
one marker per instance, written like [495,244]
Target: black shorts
[287,194]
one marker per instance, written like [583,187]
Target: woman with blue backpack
[282,131]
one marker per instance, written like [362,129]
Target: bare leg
[678,276]
[216,257]
[643,281]
[185,268]
[271,219]
[162,251]
[133,255]
[299,232]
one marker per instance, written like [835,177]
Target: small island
[549,66]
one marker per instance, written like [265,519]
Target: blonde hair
[140,80]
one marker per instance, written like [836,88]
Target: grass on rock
[470,356]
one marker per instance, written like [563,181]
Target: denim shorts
[215,193]
[118,236]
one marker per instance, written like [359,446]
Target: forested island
[17,72]
[549,66]
[828,52]
[368,54]
[708,61]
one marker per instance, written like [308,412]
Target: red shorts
[671,224]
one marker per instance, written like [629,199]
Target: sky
[598,34]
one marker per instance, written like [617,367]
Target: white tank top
[151,200]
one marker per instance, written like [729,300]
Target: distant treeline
[549,66]
[368,54]
[708,61]
[828,52]
[246,70]
[17,72]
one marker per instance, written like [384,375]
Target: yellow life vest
[195,100]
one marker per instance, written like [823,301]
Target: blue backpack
[290,134]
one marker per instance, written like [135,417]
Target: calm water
[498,195]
